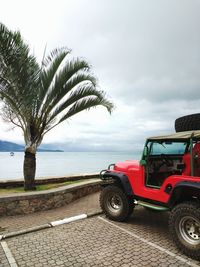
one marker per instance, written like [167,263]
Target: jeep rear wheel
[115,203]
[184,224]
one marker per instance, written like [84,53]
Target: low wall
[29,202]
[6,183]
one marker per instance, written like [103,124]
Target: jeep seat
[187,162]
[196,154]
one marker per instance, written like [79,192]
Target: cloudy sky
[145,53]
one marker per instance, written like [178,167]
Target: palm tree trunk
[29,170]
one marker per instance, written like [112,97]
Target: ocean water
[60,163]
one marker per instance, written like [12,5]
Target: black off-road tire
[184,226]
[188,123]
[115,203]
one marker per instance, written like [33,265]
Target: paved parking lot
[143,241]
[87,204]
[3,259]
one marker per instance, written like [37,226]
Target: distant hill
[6,146]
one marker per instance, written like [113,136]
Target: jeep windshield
[167,148]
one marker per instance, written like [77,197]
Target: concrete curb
[50,225]
[92,214]
[26,231]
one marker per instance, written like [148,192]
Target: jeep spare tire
[188,123]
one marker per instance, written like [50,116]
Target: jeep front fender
[118,177]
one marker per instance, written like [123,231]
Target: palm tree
[38,98]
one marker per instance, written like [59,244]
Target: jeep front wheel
[115,203]
[184,224]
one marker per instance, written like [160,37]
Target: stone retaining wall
[29,202]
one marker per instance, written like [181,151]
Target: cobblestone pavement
[85,204]
[3,259]
[100,242]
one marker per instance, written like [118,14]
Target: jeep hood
[126,165]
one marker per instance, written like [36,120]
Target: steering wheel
[166,160]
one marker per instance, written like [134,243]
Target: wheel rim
[114,203]
[189,228]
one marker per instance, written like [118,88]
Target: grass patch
[38,187]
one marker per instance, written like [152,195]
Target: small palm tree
[38,98]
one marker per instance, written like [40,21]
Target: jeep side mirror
[143,162]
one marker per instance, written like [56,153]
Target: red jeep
[167,178]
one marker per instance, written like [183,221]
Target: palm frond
[54,55]
[14,52]
[73,84]
[19,68]
[86,104]
[52,64]
[80,92]
[61,85]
